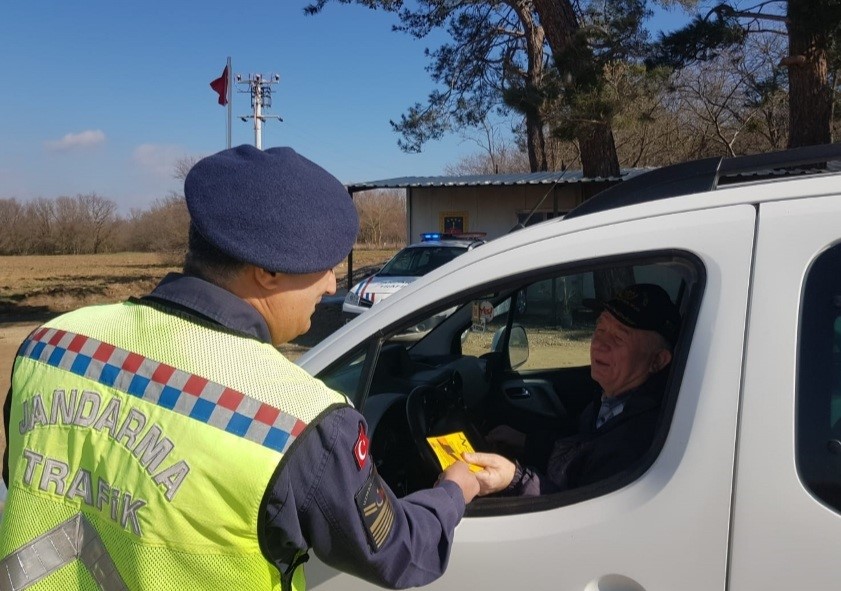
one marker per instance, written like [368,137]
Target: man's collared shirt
[612,406]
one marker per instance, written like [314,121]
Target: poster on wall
[453,222]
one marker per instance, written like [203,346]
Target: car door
[787,510]
[668,529]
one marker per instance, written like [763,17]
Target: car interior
[513,354]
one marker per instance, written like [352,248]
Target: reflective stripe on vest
[74,539]
[165,386]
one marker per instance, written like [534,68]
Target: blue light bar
[429,236]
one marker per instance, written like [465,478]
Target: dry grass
[33,287]
[36,288]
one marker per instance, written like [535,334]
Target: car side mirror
[518,344]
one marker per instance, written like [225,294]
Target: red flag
[220,85]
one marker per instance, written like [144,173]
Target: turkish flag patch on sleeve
[360,448]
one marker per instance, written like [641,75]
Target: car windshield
[417,261]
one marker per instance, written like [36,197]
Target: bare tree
[498,155]
[721,99]
[161,228]
[382,217]
[767,90]
[82,224]
[40,220]
[507,160]
[100,216]
[183,166]
[11,227]
[68,226]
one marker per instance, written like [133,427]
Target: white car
[434,250]
[741,489]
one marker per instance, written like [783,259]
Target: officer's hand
[464,478]
[496,474]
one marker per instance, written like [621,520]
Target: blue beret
[272,208]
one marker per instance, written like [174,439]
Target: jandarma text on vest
[146,442]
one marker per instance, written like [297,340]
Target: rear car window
[819,380]
[414,262]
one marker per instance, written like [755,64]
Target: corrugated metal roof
[530,178]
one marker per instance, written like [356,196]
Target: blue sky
[103,96]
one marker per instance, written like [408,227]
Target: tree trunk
[536,143]
[595,140]
[598,150]
[559,22]
[535,138]
[810,97]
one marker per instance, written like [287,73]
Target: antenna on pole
[260,88]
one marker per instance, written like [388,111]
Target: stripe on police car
[163,385]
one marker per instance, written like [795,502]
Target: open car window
[513,354]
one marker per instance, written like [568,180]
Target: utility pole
[260,88]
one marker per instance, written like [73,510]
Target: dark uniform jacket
[594,454]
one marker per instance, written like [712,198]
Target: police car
[741,488]
[434,250]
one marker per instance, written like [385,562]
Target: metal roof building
[489,203]
[488,180]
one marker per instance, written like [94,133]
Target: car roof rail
[703,175]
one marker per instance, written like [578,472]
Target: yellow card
[449,448]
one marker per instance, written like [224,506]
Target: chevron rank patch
[375,510]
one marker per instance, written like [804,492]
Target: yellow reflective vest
[141,443]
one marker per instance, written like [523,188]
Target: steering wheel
[439,410]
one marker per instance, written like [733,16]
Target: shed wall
[487,209]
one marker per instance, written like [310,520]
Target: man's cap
[644,306]
[271,208]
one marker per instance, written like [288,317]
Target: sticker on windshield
[482,313]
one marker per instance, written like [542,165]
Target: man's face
[622,357]
[290,308]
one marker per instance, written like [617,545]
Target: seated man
[630,349]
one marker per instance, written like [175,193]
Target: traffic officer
[165,443]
